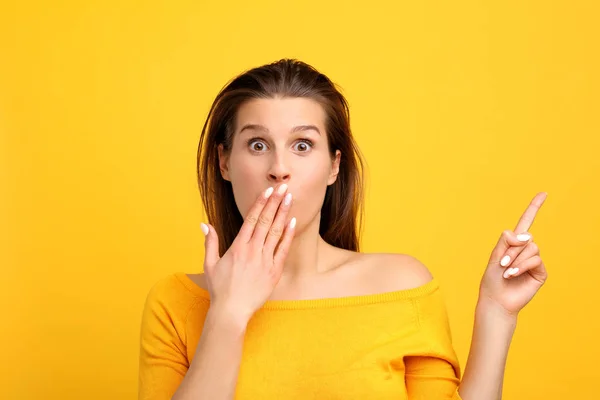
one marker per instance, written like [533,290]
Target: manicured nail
[282,189]
[288,199]
[523,237]
[268,192]
[510,272]
[293,223]
[204,228]
[505,260]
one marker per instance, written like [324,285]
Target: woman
[287,307]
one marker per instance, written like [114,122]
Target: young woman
[287,306]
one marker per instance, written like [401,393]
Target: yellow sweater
[394,345]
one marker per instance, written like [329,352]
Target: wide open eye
[257,145]
[303,145]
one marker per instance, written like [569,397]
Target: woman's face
[281,140]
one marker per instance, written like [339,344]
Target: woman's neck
[309,254]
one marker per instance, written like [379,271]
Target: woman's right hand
[242,280]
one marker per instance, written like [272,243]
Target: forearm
[214,369]
[492,334]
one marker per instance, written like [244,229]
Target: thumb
[507,240]
[211,245]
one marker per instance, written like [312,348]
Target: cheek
[242,173]
[247,182]
[311,185]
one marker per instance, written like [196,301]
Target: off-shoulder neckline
[353,300]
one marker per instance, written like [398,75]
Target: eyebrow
[298,128]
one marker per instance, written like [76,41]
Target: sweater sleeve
[432,371]
[163,362]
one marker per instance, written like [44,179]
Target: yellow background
[464,110]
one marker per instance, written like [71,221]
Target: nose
[279,171]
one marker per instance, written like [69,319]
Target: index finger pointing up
[529,215]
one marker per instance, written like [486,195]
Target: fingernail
[282,189]
[204,228]
[293,223]
[268,192]
[507,273]
[288,199]
[505,260]
[523,237]
[513,271]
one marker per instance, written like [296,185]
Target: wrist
[488,309]
[223,318]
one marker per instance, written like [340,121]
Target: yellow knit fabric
[394,345]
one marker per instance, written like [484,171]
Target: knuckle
[262,199]
[237,255]
[264,220]
[276,230]
[534,247]
[267,258]
[251,219]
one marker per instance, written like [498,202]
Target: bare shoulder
[393,271]
[199,279]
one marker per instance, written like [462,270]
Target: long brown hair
[342,211]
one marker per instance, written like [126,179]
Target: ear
[335,168]
[223,163]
